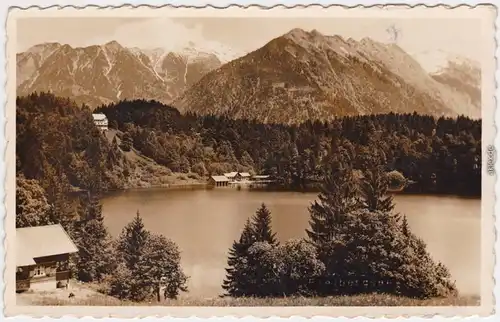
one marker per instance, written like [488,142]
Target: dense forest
[440,156]
[60,154]
[59,150]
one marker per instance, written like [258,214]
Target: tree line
[356,244]
[440,155]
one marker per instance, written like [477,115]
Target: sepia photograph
[251,158]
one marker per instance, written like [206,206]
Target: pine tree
[131,242]
[146,261]
[374,188]
[337,198]
[261,223]
[95,255]
[235,282]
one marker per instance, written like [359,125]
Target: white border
[289,3]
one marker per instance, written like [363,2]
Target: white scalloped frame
[489,184]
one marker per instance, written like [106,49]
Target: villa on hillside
[42,257]
[101,121]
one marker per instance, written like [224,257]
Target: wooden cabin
[231,175]
[42,257]
[243,176]
[218,181]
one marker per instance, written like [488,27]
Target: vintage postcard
[284,162]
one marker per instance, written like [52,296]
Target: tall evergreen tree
[235,282]
[374,189]
[146,262]
[95,254]
[131,242]
[337,198]
[261,223]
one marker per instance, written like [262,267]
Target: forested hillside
[440,155]
[59,151]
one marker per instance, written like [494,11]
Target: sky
[461,36]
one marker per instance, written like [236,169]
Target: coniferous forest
[441,156]
[64,165]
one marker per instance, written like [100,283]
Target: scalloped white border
[230,312]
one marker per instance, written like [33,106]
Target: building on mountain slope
[101,121]
[42,257]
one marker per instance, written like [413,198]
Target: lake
[204,224]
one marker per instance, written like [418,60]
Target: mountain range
[298,76]
[97,75]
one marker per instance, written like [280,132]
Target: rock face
[303,75]
[101,74]
[298,76]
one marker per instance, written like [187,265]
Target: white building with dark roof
[101,121]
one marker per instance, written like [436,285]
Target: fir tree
[146,263]
[131,242]
[374,188]
[261,223]
[95,255]
[337,198]
[236,282]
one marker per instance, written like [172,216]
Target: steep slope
[101,74]
[462,79]
[457,78]
[303,75]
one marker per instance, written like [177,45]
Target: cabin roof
[40,241]
[230,174]
[244,174]
[99,117]
[220,178]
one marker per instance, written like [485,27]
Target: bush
[193,176]
[396,179]
[289,269]
[199,168]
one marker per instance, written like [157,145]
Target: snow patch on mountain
[437,60]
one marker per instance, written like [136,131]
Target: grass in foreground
[92,298]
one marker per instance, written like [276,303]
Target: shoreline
[206,186]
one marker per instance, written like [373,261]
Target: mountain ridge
[100,74]
[297,76]
[334,77]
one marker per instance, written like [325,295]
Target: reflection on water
[204,224]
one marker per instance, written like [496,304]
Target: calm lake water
[204,223]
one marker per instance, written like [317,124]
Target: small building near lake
[42,257]
[218,181]
[101,121]
[231,175]
[242,176]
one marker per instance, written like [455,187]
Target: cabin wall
[48,273]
